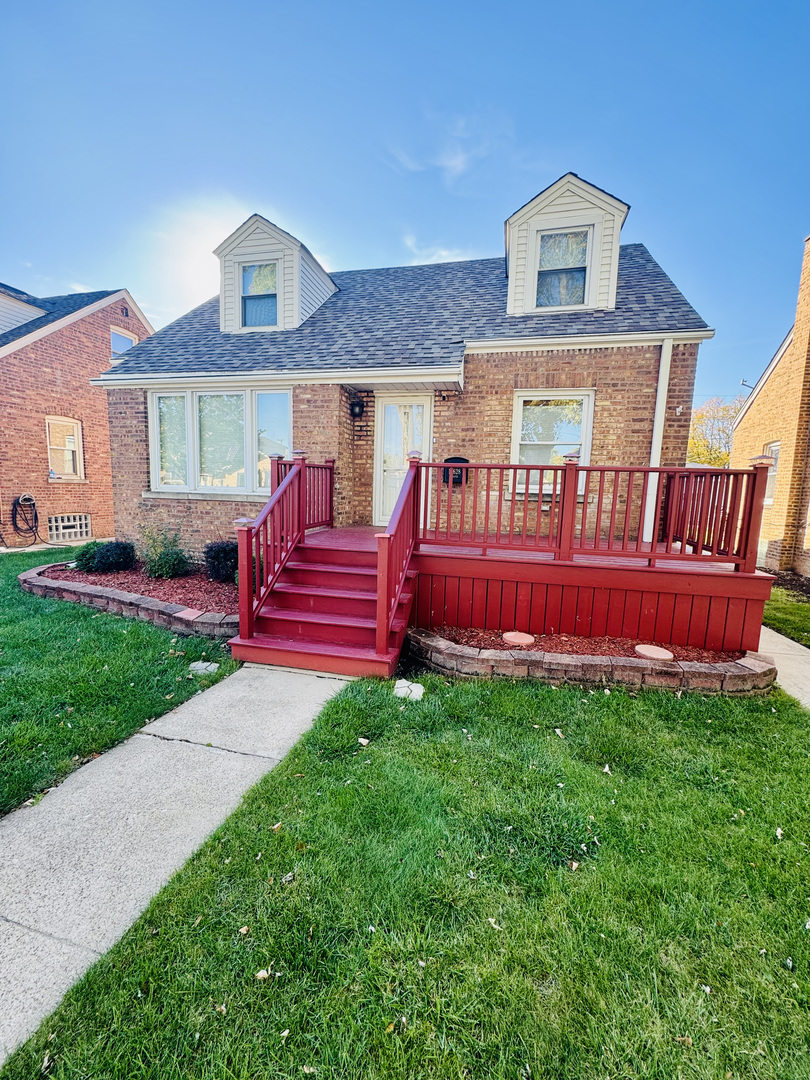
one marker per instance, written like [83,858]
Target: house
[774,423]
[55,472]
[569,347]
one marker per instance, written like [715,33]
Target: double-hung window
[771,450]
[260,294]
[547,426]
[218,441]
[562,268]
[65,459]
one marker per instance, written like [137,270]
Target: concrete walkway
[78,868]
[792,664]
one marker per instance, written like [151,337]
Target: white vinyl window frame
[588,399]
[192,397]
[564,223]
[771,450]
[54,474]
[258,260]
[116,358]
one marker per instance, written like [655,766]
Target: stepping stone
[515,637]
[654,652]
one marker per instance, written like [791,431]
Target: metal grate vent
[69,527]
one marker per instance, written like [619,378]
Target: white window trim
[588,398]
[124,333]
[78,476]
[560,224]
[767,451]
[259,261]
[191,397]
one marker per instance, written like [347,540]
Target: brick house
[774,422]
[55,460]
[572,343]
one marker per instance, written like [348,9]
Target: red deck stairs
[321,615]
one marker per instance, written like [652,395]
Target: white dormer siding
[569,206]
[302,283]
[15,313]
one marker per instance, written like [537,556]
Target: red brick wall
[51,377]
[476,424]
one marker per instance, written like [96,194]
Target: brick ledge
[753,674]
[175,617]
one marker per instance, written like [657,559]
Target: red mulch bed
[579,646]
[194,590]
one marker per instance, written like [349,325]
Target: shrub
[116,555]
[86,558]
[162,555]
[222,560]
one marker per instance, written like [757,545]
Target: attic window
[260,295]
[562,268]
[120,342]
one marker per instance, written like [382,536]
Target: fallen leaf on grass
[607,770]
[363,742]
[284,1033]
[310,1070]
[198,920]
[220,1008]
[705,989]
[779,834]
[494,925]
[244,930]
[276,827]
[288,878]
[558,732]
[574,864]
[684,1040]
[263,974]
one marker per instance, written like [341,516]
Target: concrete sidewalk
[78,868]
[792,664]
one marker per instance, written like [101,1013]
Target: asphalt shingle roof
[55,307]
[408,316]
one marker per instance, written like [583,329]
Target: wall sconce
[357,408]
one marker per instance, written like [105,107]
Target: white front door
[402,423]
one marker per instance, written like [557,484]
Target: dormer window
[562,268]
[260,295]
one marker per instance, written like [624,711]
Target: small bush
[162,555]
[116,555]
[222,560]
[86,558]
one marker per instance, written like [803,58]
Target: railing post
[383,578]
[756,501]
[274,471]
[244,537]
[300,459]
[330,476]
[568,511]
[414,458]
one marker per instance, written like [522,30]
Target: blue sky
[136,137]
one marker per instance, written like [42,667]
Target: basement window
[64,527]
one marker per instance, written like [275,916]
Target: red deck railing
[302,499]
[394,550]
[578,512]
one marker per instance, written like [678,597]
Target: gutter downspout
[659,419]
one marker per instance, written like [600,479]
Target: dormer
[16,308]
[268,279]
[562,249]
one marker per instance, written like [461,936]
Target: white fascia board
[376,376]
[596,341]
[766,374]
[66,320]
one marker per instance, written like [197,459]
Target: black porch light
[357,408]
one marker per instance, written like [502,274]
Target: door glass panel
[403,431]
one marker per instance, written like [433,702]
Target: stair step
[313,655]
[330,575]
[322,626]
[335,555]
[296,597]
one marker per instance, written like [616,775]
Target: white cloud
[455,143]
[433,253]
[76,286]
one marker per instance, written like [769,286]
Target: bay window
[217,441]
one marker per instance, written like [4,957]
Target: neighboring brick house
[55,456]
[572,343]
[775,422]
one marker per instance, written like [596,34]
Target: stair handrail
[266,543]
[394,549]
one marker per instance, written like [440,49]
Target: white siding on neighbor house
[316,285]
[15,313]
[575,205]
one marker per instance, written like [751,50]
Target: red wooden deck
[340,599]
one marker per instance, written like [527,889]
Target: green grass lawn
[789,614]
[414,909]
[74,682]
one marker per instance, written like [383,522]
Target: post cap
[414,455]
[299,453]
[571,459]
[763,459]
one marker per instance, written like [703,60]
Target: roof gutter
[599,341]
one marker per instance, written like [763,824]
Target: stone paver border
[175,617]
[753,674]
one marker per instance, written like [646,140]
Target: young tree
[711,431]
